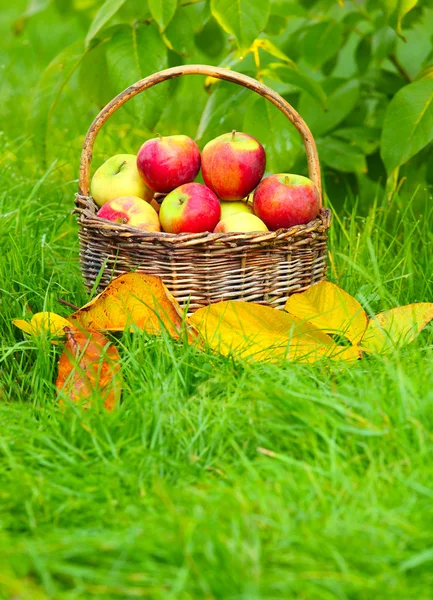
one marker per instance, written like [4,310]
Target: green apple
[231,208]
[119,176]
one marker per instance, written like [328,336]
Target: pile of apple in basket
[232,166]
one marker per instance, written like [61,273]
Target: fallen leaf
[397,327]
[89,364]
[133,299]
[249,330]
[331,309]
[43,321]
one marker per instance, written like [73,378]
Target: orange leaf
[396,327]
[133,299]
[89,363]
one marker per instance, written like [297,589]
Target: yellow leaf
[133,299]
[251,331]
[331,309]
[43,321]
[396,327]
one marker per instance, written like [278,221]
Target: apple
[231,208]
[240,223]
[232,165]
[284,200]
[165,163]
[131,210]
[191,208]
[118,176]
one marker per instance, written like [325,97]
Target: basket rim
[85,208]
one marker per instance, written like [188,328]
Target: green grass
[214,479]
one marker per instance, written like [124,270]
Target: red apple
[165,163]
[284,200]
[191,208]
[241,223]
[132,211]
[232,165]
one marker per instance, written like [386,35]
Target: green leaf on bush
[224,110]
[365,138]
[244,19]
[404,6]
[321,42]
[342,98]
[287,8]
[397,10]
[104,14]
[425,73]
[133,53]
[275,25]
[340,155]
[179,35]
[363,54]
[48,92]
[93,76]
[178,116]
[278,136]
[270,48]
[162,11]
[408,125]
[293,76]
[388,6]
[34,7]
[211,39]
[384,40]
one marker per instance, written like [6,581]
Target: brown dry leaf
[249,330]
[89,363]
[331,309]
[397,327]
[43,321]
[133,299]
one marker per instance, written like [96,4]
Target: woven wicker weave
[201,268]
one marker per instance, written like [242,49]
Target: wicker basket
[201,268]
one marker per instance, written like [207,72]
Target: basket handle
[219,73]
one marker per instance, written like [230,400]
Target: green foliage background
[359,72]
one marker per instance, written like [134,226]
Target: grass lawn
[214,479]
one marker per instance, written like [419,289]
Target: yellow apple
[240,223]
[232,207]
[119,176]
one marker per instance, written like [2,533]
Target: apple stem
[120,167]
[233,135]
[286,180]
[159,135]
